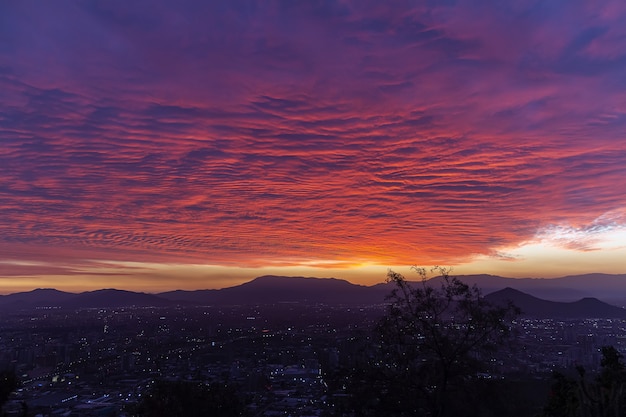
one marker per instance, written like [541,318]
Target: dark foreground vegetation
[428,351]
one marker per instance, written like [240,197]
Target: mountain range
[529,305]
[573,296]
[610,288]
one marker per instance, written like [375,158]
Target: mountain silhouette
[536,307]
[272,289]
[105,298]
[112,298]
[608,287]
[40,297]
[279,289]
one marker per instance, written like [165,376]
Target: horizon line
[303,277]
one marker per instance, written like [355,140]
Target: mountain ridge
[588,307]
[272,289]
[607,287]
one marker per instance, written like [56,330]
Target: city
[282,359]
[200,202]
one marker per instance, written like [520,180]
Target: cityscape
[282,358]
[319,208]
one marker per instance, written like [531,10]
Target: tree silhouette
[603,396]
[432,342]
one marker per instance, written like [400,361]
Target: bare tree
[601,396]
[433,339]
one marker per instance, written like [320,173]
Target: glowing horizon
[159,146]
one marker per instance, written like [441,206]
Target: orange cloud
[301,136]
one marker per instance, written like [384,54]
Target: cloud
[290,133]
[605,232]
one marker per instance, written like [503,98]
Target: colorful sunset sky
[154,145]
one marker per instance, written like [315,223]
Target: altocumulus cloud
[254,133]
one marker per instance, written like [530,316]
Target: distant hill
[536,307]
[278,289]
[262,290]
[607,287]
[41,297]
[111,298]
[107,298]
[199,297]
[587,289]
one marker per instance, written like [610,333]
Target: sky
[154,145]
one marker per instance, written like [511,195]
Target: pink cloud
[274,133]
